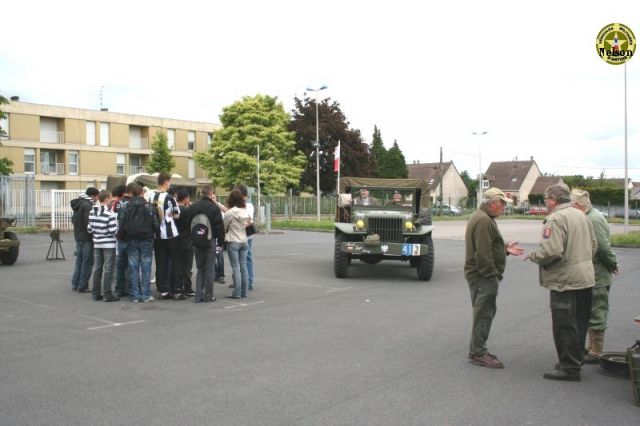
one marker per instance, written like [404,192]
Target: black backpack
[138,222]
[200,230]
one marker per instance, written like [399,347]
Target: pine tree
[393,164]
[161,159]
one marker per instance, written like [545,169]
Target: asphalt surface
[377,348]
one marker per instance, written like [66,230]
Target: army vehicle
[383,219]
[9,243]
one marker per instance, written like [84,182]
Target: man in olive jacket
[564,257]
[605,264]
[485,260]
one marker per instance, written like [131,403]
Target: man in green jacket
[605,264]
[564,257]
[485,260]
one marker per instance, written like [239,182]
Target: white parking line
[240,305]
[112,324]
[329,289]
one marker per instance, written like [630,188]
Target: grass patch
[630,239]
[26,229]
[314,225]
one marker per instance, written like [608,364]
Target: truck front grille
[389,229]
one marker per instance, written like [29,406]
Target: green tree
[258,121]
[472,188]
[393,165]
[334,127]
[377,149]
[161,159]
[5,163]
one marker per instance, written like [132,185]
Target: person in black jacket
[81,207]
[184,258]
[205,256]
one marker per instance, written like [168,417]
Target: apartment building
[72,148]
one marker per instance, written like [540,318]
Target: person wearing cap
[364,199]
[605,264]
[396,199]
[485,261]
[564,257]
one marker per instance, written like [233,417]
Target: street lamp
[317,145]
[478,134]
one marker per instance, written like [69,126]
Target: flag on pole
[336,158]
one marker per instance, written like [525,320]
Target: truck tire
[425,263]
[340,258]
[10,257]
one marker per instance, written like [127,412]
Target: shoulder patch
[546,234]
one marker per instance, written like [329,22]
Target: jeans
[103,266]
[166,251]
[484,292]
[205,262]
[84,264]
[570,313]
[140,253]
[250,262]
[238,259]
[122,268]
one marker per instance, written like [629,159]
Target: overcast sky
[428,74]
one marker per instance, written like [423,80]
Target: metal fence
[18,199]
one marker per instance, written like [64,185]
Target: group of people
[118,235]
[576,264]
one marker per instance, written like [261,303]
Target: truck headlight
[408,225]
[360,224]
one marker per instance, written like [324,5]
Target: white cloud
[427,74]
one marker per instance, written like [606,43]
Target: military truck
[9,243]
[383,219]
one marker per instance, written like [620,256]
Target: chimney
[15,98]
[532,158]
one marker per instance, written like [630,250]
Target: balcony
[51,136]
[136,169]
[140,143]
[52,169]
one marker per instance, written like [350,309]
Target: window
[91,132]
[209,139]
[120,164]
[192,169]
[72,159]
[191,140]
[171,139]
[4,127]
[49,131]
[104,134]
[485,184]
[135,164]
[29,160]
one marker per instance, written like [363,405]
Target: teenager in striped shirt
[103,225]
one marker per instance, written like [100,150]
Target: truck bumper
[389,249]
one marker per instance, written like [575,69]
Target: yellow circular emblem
[615,44]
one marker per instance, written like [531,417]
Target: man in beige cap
[564,256]
[485,260]
[605,265]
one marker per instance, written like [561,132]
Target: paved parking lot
[305,349]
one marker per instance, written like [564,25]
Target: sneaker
[135,301]
[152,280]
[149,299]
[231,285]
[221,280]
[97,298]
[179,296]
[122,294]
[486,360]
[190,293]
[166,296]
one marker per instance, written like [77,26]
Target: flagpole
[339,164]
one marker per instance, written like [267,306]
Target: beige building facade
[72,148]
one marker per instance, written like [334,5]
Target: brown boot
[597,345]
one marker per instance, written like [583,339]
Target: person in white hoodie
[103,226]
[236,219]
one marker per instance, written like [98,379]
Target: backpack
[200,230]
[138,223]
